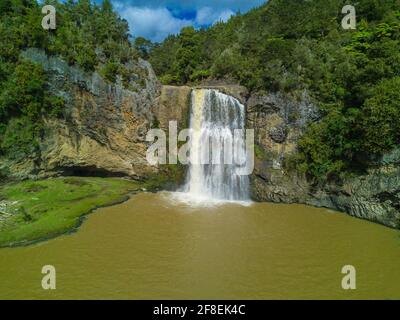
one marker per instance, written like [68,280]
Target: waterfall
[216,150]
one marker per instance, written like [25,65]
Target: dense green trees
[23,100]
[90,36]
[292,45]
[143,46]
[380,118]
[359,102]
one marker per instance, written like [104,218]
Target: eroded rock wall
[103,131]
[279,121]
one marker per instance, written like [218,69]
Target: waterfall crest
[216,148]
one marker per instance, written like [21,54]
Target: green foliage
[360,102]
[55,106]
[24,100]
[169,79]
[48,208]
[23,92]
[4,173]
[143,46]
[110,71]
[186,58]
[25,215]
[20,138]
[293,45]
[325,147]
[380,117]
[88,35]
[226,64]
[260,153]
[199,75]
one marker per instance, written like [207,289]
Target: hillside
[289,46]
[88,37]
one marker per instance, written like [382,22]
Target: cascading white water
[216,149]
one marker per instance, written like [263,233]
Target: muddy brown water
[152,247]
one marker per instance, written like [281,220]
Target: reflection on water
[155,247]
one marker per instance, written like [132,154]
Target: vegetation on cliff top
[293,45]
[90,36]
[35,210]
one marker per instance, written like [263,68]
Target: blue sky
[156,19]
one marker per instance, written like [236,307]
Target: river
[152,247]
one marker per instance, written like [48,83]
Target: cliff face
[105,125]
[174,105]
[103,131]
[279,121]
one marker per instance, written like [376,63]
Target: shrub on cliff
[381,114]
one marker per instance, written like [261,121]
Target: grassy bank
[35,210]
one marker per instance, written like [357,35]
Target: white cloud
[225,15]
[234,5]
[207,15]
[156,19]
[152,23]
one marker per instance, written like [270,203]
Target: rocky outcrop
[174,104]
[375,196]
[279,122]
[103,131]
[104,128]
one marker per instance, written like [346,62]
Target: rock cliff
[103,131]
[279,121]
